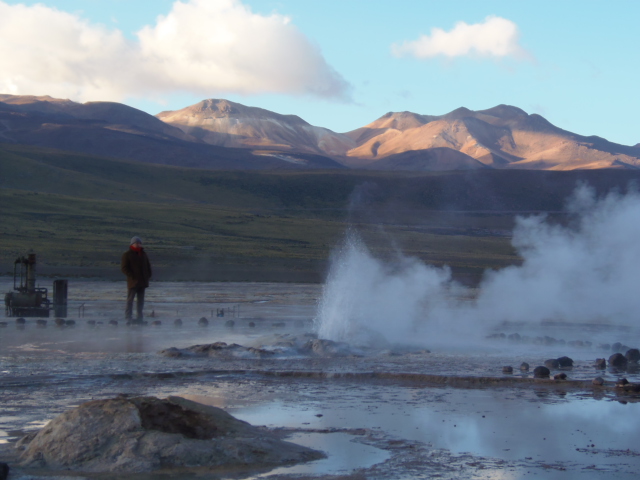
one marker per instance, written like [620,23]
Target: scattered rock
[633,355]
[507,369]
[599,381]
[203,322]
[541,372]
[230,323]
[601,363]
[3,324]
[515,337]
[552,364]
[616,347]
[21,321]
[617,360]
[604,346]
[144,434]
[524,366]
[40,323]
[70,323]
[622,382]
[156,323]
[114,323]
[91,323]
[576,343]
[252,324]
[177,322]
[278,324]
[565,362]
[560,376]
[4,471]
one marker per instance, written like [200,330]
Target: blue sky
[333,62]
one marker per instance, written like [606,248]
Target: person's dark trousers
[131,294]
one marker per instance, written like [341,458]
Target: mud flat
[395,412]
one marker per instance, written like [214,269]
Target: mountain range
[220,134]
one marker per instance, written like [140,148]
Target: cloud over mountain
[495,37]
[200,46]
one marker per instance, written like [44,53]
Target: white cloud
[201,46]
[495,37]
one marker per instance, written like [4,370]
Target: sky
[338,64]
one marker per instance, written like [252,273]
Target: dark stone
[252,324]
[278,324]
[552,364]
[560,376]
[4,471]
[91,323]
[601,363]
[622,382]
[70,323]
[617,360]
[599,381]
[114,323]
[59,322]
[203,322]
[604,346]
[515,337]
[616,347]
[507,369]
[156,323]
[177,322]
[549,340]
[565,362]
[541,372]
[20,321]
[229,323]
[41,323]
[524,366]
[633,355]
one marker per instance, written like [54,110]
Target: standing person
[135,265]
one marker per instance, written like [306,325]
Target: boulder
[21,321]
[40,323]
[230,323]
[552,364]
[70,323]
[59,322]
[601,363]
[203,322]
[156,323]
[633,355]
[560,376]
[616,347]
[177,322]
[145,434]
[565,362]
[515,337]
[541,372]
[4,471]
[617,360]
[524,366]
[598,381]
[507,369]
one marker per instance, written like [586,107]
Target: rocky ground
[396,412]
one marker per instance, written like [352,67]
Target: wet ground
[399,423]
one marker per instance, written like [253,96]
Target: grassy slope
[78,210]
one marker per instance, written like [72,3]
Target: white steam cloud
[200,46]
[588,271]
[495,37]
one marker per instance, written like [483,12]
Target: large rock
[565,362]
[144,434]
[541,372]
[617,360]
[633,355]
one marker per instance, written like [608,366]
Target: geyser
[585,272]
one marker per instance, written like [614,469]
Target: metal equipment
[27,300]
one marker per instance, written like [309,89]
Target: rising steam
[587,271]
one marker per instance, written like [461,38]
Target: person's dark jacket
[136,266]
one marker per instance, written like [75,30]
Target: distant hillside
[115,130]
[500,137]
[223,135]
[229,124]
